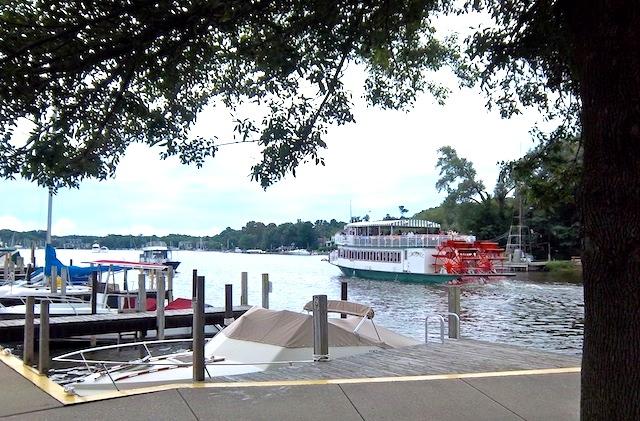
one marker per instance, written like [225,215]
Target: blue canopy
[77,274]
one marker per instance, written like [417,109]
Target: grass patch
[561,266]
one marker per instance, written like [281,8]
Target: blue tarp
[77,274]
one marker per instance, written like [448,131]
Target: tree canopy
[91,77]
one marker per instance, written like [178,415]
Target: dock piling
[244,289]
[5,270]
[65,279]
[53,280]
[169,284]
[266,289]
[228,304]
[454,307]
[198,331]
[142,293]
[94,293]
[28,274]
[29,331]
[160,297]
[320,328]
[43,349]
[194,285]
[343,296]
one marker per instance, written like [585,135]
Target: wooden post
[29,316]
[343,296]
[53,280]
[194,285]
[27,276]
[454,307]
[320,328]
[142,293]
[94,293]
[65,278]
[33,254]
[244,289]
[228,304]
[125,281]
[266,288]
[198,331]
[160,308]
[169,284]
[5,270]
[43,350]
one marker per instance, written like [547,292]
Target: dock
[457,380]
[97,324]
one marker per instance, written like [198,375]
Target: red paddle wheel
[480,258]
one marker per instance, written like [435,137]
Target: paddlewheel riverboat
[414,250]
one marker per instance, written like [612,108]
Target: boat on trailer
[414,250]
[259,340]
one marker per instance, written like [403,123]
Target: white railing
[399,241]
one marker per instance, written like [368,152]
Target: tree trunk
[606,60]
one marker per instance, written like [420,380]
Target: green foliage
[254,235]
[561,266]
[548,178]
[91,77]
[454,169]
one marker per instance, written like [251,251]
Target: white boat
[259,340]
[95,248]
[157,252]
[59,305]
[413,250]
[298,252]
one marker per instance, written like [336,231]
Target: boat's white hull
[255,357]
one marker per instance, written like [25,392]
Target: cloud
[386,159]
[63,226]
[14,223]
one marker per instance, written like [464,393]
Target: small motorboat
[259,340]
[157,252]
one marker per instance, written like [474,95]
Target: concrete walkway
[493,397]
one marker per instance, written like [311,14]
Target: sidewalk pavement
[510,397]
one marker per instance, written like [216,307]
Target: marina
[498,337]
[538,310]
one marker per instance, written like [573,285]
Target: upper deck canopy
[405,223]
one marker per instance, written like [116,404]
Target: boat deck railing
[399,241]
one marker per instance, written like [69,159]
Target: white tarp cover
[290,330]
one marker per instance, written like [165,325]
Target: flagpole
[48,241]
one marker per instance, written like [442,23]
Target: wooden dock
[454,356]
[97,324]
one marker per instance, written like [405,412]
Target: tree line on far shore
[254,235]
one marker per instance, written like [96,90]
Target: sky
[384,160]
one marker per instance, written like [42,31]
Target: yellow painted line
[43,382]
[58,392]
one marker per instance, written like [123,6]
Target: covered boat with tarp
[39,283]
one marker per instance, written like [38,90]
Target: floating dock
[98,324]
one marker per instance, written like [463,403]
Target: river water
[541,311]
